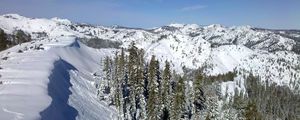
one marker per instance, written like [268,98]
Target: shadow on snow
[58,90]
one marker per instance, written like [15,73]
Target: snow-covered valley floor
[53,83]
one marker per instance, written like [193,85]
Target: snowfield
[52,77]
[55,83]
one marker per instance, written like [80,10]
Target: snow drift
[55,83]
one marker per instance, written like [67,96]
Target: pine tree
[120,82]
[117,80]
[159,90]
[213,107]
[199,98]
[146,81]
[228,112]
[166,91]
[208,117]
[140,98]
[114,82]
[178,102]
[3,40]
[133,68]
[251,112]
[125,89]
[238,103]
[104,86]
[152,102]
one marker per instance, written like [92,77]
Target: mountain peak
[60,20]
[178,25]
[13,16]
[215,26]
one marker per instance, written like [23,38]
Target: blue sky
[279,14]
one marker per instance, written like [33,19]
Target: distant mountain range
[273,55]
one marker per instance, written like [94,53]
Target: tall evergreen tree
[213,107]
[104,86]
[159,90]
[126,91]
[152,102]
[166,91]
[119,82]
[114,82]
[140,98]
[251,112]
[199,98]
[178,102]
[133,68]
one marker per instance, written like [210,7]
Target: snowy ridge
[53,82]
[188,45]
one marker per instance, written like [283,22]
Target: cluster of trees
[273,101]
[229,76]
[266,101]
[3,40]
[100,43]
[18,37]
[141,90]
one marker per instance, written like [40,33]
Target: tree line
[142,90]
[267,101]
[9,40]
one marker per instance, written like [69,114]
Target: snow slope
[55,83]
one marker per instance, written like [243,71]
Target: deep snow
[55,83]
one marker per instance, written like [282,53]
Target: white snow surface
[55,83]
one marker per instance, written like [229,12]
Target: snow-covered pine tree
[125,93]
[140,99]
[188,98]
[199,98]
[166,91]
[152,102]
[133,78]
[104,86]
[213,108]
[146,81]
[178,100]
[228,113]
[114,81]
[251,112]
[159,90]
[238,103]
[120,82]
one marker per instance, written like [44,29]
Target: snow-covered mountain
[33,77]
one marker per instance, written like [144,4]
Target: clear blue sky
[281,14]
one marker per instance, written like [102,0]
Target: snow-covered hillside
[53,83]
[37,77]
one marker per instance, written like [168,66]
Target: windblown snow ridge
[55,82]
